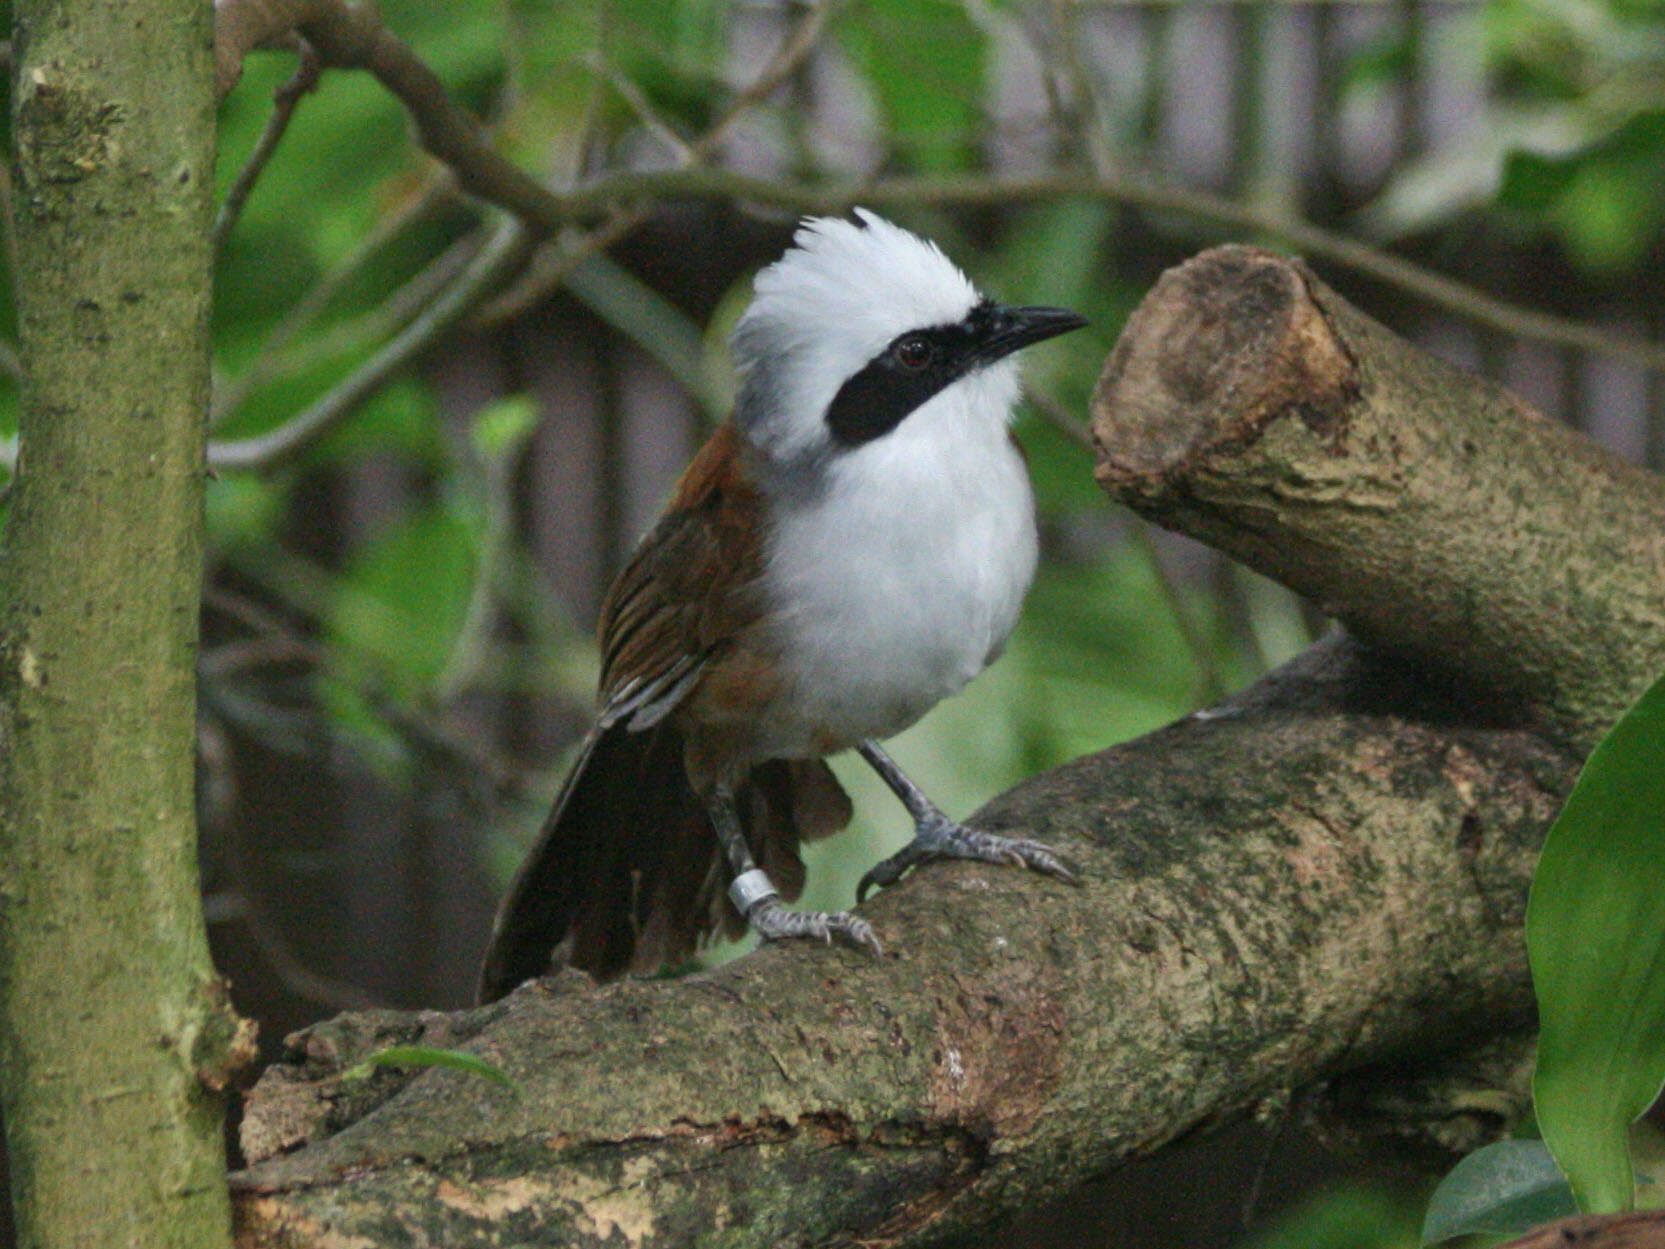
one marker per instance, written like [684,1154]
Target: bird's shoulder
[692,584]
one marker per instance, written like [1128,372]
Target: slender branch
[238,902]
[494,470]
[980,189]
[502,252]
[386,318]
[665,332]
[641,107]
[546,274]
[284,100]
[1211,683]
[354,37]
[782,65]
[552,264]
[272,360]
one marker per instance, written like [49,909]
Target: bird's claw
[774,921]
[943,838]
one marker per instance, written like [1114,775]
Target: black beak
[1009,329]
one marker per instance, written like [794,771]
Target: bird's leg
[935,836]
[754,896]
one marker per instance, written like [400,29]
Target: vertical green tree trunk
[109,1011]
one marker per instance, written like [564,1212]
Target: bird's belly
[891,614]
[844,686]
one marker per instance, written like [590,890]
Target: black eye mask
[918,364]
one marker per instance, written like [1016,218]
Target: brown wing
[689,589]
[626,873]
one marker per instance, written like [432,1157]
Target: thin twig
[384,319]
[353,36]
[272,360]
[642,107]
[979,189]
[552,263]
[284,100]
[551,266]
[782,65]
[465,657]
[501,253]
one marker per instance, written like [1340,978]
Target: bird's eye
[913,352]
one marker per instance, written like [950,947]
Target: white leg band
[749,888]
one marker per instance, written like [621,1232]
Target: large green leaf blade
[1595,930]
[1504,1189]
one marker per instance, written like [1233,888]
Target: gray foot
[774,921]
[938,837]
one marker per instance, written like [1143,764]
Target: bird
[851,547]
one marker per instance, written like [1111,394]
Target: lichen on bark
[110,1016]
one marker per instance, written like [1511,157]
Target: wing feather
[691,587]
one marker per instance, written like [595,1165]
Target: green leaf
[427,1056]
[1603,197]
[924,61]
[1504,1189]
[1595,932]
[1349,1217]
[242,510]
[502,428]
[403,596]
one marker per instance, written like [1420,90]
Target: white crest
[826,308]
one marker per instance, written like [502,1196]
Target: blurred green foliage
[1570,144]
[1347,1217]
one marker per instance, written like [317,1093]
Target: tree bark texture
[110,1016]
[1307,880]
[1434,514]
[1325,874]
[1638,1229]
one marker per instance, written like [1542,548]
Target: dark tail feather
[627,874]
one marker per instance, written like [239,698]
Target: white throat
[898,575]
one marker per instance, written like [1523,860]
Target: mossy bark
[110,1018]
[1325,874]
[1433,513]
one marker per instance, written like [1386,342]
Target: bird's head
[859,326]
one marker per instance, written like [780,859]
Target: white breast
[901,575]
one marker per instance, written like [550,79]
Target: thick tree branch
[1322,875]
[116,1039]
[1639,1229]
[1249,405]
[1354,890]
